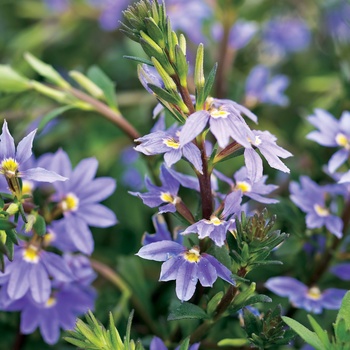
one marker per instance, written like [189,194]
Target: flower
[337,21]
[158,344]
[167,142]
[34,270]
[261,88]
[216,227]
[253,190]
[240,34]
[342,271]
[310,299]
[332,133]
[310,198]
[162,232]
[186,266]
[12,161]
[164,196]
[78,199]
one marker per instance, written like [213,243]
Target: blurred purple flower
[332,133]
[167,142]
[186,266]
[34,270]
[310,299]
[164,196]
[342,271]
[337,21]
[285,35]
[158,344]
[217,226]
[149,75]
[260,87]
[12,159]
[240,34]
[78,199]
[311,199]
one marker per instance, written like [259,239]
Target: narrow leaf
[52,115]
[185,310]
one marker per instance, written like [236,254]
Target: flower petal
[40,174]
[194,125]
[186,280]
[7,144]
[24,148]
[160,251]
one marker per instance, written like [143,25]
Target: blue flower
[158,344]
[332,133]
[337,21]
[261,88]
[310,198]
[310,299]
[342,271]
[186,266]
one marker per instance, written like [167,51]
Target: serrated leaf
[233,342]
[52,115]
[11,81]
[46,70]
[179,311]
[96,74]
[310,337]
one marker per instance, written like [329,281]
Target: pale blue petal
[254,164]
[40,174]
[232,204]
[97,215]
[194,125]
[97,190]
[337,159]
[206,273]
[186,280]
[7,144]
[24,148]
[170,267]
[222,271]
[286,286]
[83,174]
[40,284]
[160,251]
[192,153]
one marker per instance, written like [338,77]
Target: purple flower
[337,21]
[34,270]
[240,34]
[310,299]
[260,87]
[149,75]
[167,142]
[342,271]
[60,310]
[216,227]
[162,233]
[311,199]
[12,160]
[78,199]
[286,34]
[332,133]
[254,190]
[158,344]
[186,266]
[165,197]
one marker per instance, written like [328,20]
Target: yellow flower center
[342,141]
[215,220]
[9,167]
[243,186]
[49,238]
[50,302]
[193,255]
[217,113]
[314,293]
[70,203]
[167,197]
[321,211]
[256,142]
[27,187]
[170,142]
[31,254]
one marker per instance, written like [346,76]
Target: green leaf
[40,225]
[114,334]
[341,332]
[6,225]
[46,71]
[322,334]
[310,337]
[233,342]
[181,65]
[179,311]
[214,302]
[185,344]
[344,312]
[52,115]
[11,81]
[139,59]
[163,94]
[105,83]
[210,81]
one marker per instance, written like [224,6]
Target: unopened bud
[30,223]
[12,209]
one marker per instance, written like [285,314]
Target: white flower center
[342,141]
[50,302]
[321,211]
[70,202]
[167,197]
[9,167]
[243,186]
[192,255]
[170,142]
[31,254]
[217,113]
[314,293]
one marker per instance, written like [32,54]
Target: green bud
[168,81]
[154,32]
[199,79]
[11,81]
[182,65]
[39,225]
[3,236]
[30,223]
[182,43]
[58,96]
[87,84]
[12,209]
[46,71]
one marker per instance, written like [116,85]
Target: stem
[110,275]
[109,113]
[19,340]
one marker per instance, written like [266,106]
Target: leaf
[51,115]
[40,226]
[105,83]
[179,311]
[185,344]
[310,337]
[163,94]
[6,225]
[46,70]
[214,302]
[11,81]
[210,81]
[140,60]
[321,333]
[233,342]
[344,312]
